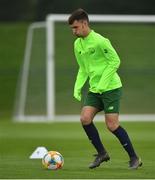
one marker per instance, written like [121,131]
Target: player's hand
[77,95]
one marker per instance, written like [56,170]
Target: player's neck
[86,32]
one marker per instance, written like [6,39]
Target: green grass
[12,45]
[19,140]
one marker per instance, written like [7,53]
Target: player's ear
[84,23]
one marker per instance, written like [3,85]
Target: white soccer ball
[53,160]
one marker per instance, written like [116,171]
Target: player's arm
[79,83]
[113,62]
[80,79]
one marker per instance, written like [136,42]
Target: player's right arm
[81,77]
[79,83]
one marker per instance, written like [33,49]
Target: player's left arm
[113,62]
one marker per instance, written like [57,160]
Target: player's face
[78,28]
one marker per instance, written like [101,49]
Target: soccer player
[98,62]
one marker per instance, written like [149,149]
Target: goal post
[49,27]
[22,85]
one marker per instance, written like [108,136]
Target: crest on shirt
[91,50]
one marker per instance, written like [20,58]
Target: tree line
[36,10]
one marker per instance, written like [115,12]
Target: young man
[98,62]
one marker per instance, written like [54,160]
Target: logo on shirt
[110,107]
[91,50]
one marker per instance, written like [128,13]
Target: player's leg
[112,100]
[87,115]
[112,123]
[90,109]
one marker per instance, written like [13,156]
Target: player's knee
[112,122]
[85,120]
[112,126]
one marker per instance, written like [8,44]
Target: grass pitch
[19,140]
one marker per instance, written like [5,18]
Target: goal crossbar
[107,18]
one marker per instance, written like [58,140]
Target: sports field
[19,140]
[135,45]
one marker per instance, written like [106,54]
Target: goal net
[45,87]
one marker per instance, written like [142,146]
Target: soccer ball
[53,160]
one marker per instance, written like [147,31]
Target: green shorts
[108,101]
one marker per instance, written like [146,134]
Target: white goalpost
[49,27]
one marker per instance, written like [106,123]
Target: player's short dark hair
[78,14]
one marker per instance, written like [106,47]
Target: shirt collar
[89,35]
